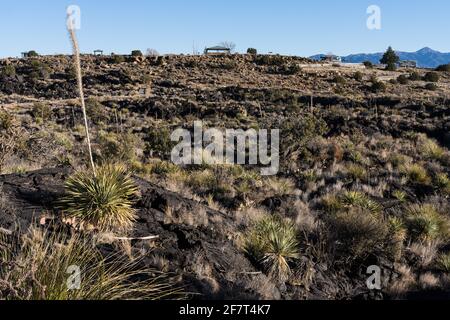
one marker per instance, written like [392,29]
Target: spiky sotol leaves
[103,200]
[273,243]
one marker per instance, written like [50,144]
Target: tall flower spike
[77,66]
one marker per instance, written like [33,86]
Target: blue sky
[295,27]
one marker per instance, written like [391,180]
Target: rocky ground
[364,175]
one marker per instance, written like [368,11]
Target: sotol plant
[273,244]
[103,200]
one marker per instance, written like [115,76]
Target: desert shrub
[431,77]
[415,173]
[297,133]
[137,53]
[158,142]
[442,183]
[358,234]
[444,67]
[270,60]
[252,51]
[103,200]
[117,59]
[339,79]
[356,172]
[164,168]
[430,149]
[443,263]
[403,79]
[289,69]
[39,70]
[96,111]
[431,87]
[6,120]
[414,76]
[8,71]
[368,64]
[272,243]
[35,266]
[41,111]
[117,147]
[425,223]
[378,86]
[358,76]
[228,65]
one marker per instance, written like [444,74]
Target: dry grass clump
[430,149]
[273,244]
[416,173]
[40,265]
[356,172]
[358,234]
[426,223]
[443,262]
[103,200]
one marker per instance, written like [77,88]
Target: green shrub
[339,79]
[252,51]
[444,67]
[273,243]
[431,87]
[117,59]
[158,142]
[297,133]
[358,76]
[403,79]
[368,64]
[6,120]
[39,70]
[96,111]
[41,111]
[118,147]
[378,86]
[431,77]
[103,200]
[415,76]
[270,60]
[8,71]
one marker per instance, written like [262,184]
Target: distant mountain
[425,58]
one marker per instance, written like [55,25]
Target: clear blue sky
[296,27]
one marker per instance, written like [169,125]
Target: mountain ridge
[425,57]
